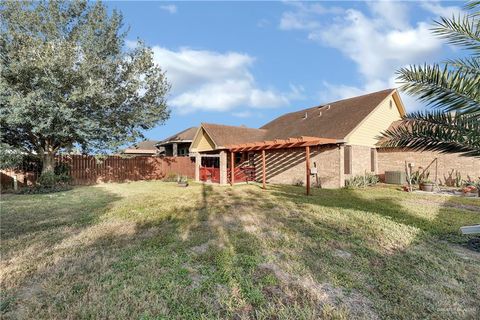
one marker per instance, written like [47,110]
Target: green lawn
[152,250]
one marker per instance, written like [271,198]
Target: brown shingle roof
[333,120]
[145,145]
[142,147]
[336,121]
[186,135]
[226,135]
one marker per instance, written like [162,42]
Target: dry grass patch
[153,250]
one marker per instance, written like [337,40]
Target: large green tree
[452,89]
[68,80]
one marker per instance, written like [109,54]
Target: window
[373,159]
[347,160]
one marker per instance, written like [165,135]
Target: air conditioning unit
[395,177]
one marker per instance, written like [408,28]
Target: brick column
[198,162]
[223,167]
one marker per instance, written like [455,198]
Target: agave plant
[452,89]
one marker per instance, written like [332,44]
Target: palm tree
[452,89]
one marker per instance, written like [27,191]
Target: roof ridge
[230,126]
[329,103]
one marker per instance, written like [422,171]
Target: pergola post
[198,163]
[232,168]
[264,175]
[223,167]
[307,167]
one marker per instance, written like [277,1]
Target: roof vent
[320,114]
[305,116]
[328,107]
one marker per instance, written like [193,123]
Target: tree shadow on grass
[388,207]
[204,259]
[400,279]
[190,261]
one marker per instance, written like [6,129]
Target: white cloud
[379,41]
[337,92]
[243,114]
[263,23]
[304,16]
[209,80]
[393,13]
[436,8]
[170,8]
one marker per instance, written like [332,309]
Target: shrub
[50,179]
[61,169]
[38,189]
[365,180]
[171,177]
[49,182]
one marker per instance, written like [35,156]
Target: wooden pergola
[290,143]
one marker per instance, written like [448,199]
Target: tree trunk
[48,161]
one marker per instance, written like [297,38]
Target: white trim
[400,109]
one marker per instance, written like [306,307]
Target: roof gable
[202,141]
[367,131]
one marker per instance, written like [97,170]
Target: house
[143,148]
[177,144]
[323,145]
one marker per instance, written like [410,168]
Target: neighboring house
[340,137]
[178,145]
[143,148]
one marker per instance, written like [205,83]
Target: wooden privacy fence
[88,170]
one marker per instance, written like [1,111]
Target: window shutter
[347,160]
[373,159]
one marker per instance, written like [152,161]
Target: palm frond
[462,31]
[436,131]
[471,5]
[470,65]
[442,87]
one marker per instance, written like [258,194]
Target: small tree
[66,80]
[453,88]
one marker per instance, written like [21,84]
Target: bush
[51,179]
[50,182]
[38,189]
[172,177]
[368,179]
[61,169]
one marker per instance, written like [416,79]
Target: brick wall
[287,166]
[361,160]
[394,160]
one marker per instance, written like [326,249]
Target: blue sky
[246,63]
